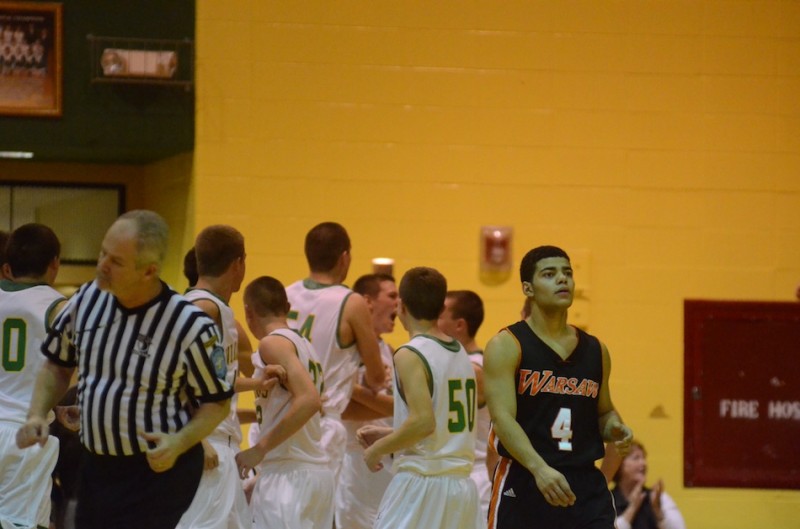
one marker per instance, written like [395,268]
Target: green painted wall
[111,123]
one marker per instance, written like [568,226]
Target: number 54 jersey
[450,449]
[557,398]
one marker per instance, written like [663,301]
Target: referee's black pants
[123,492]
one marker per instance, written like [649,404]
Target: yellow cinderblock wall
[657,141]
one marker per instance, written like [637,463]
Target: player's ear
[527,288]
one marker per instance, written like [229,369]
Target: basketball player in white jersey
[27,302]
[359,491]
[433,439]
[294,486]
[461,318]
[338,324]
[220,501]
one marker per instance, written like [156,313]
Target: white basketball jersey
[304,444]
[450,449]
[484,421]
[230,426]
[316,311]
[23,312]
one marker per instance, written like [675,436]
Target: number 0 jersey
[450,449]
[557,398]
[24,309]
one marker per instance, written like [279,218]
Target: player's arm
[52,383]
[479,385]
[366,405]
[421,422]
[499,369]
[264,381]
[611,462]
[359,321]
[210,308]
[611,426]
[305,400]
[245,350]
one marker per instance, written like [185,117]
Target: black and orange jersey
[557,399]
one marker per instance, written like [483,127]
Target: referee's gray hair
[152,234]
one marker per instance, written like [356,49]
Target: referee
[143,352]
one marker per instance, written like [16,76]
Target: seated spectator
[640,507]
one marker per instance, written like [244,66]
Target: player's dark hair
[4,235]
[325,243]
[528,265]
[190,267]
[266,296]
[369,285]
[422,291]
[30,250]
[468,306]
[216,247]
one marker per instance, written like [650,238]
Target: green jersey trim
[427,368]
[14,286]
[453,345]
[310,284]
[339,324]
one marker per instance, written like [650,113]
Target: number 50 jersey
[450,449]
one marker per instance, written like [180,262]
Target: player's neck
[30,280]
[217,286]
[548,323]
[273,324]
[426,327]
[268,324]
[325,278]
[469,344]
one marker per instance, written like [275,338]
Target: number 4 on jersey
[561,429]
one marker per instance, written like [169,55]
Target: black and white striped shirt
[138,369]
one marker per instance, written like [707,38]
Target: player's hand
[35,430]
[69,417]
[620,435]
[166,452]
[263,382]
[246,460]
[370,433]
[554,487]
[210,456]
[373,459]
[275,372]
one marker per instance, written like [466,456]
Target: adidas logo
[510,493]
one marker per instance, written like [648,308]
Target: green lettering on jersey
[14,360]
[305,329]
[458,404]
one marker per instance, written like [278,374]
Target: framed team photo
[30,59]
